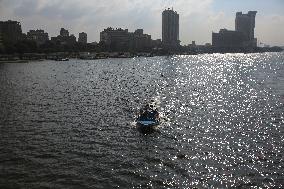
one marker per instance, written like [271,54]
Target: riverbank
[59,56]
[13,61]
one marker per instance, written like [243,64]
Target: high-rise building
[170,28]
[142,42]
[116,39]
[139,32]
[11,31]
[39,36]
[82,38]
[1,43]
[245,23]
[64,38]
[64,33]
[71,39]
[121,40]
[242,37]
[228,38]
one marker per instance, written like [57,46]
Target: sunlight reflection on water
[222,122]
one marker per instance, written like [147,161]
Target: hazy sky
[198,18]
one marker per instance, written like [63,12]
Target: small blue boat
[148,119]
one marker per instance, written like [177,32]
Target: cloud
[197,18]
[270,29]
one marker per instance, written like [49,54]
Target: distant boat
[148,119]
[62,59]
[87,56]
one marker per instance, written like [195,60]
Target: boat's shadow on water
[150,130]
[147,131]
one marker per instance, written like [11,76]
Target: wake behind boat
[148,119]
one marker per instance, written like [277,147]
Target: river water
[72,124]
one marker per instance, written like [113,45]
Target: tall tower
[170,28]
[245,23]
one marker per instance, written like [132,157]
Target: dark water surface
[71,124]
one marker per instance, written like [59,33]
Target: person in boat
[144,115]
[148,112]
[156,114]
[145,112]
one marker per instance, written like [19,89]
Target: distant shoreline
[26,58]
[13,61]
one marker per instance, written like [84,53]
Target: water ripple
[70,124]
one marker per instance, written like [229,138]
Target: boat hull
[147,126]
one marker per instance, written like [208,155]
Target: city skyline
[197,19]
